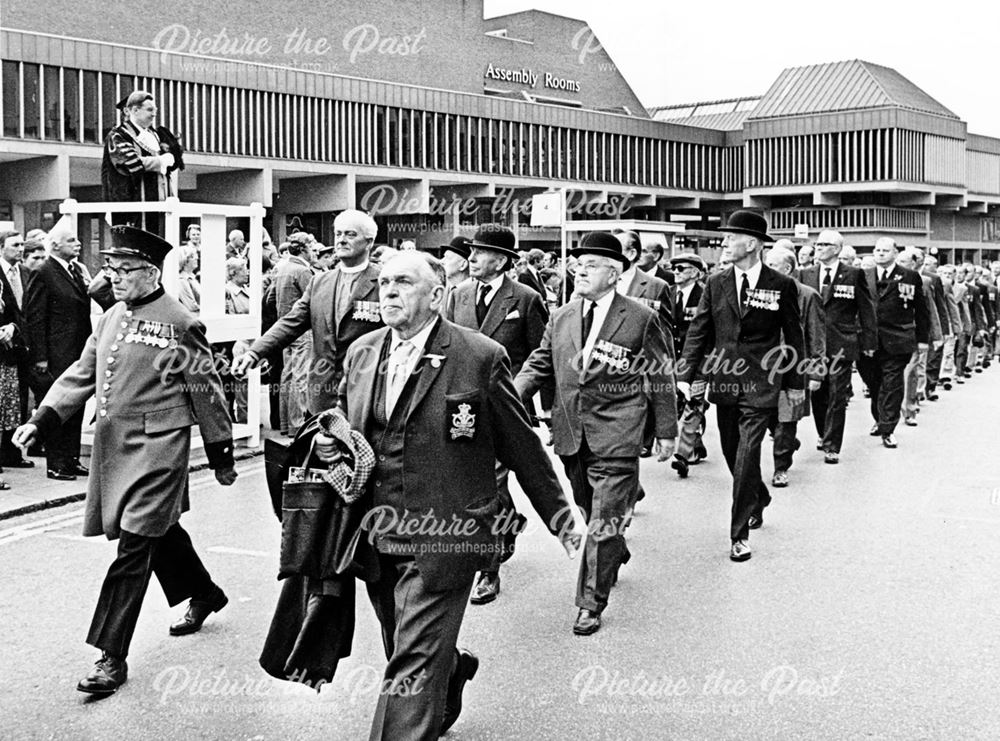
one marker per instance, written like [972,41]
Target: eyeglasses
[122,272]
[824,244]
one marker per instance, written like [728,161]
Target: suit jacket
[515,318]
[658,296]
[988,293]
[149,394]
[532,281]
[934,333]
[849,310]
[954,315]
[684,312]
[12,312]
[663,274]
[452,476]
[940,303]
[741,356]
[630,374]
[903,320]
[330,339]
[961,293]
[58,315]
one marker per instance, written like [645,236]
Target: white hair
[366,223]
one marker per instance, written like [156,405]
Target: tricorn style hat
[605,244]
[748,222]
[496,238]
[459,245]
[688,258]
[127,241]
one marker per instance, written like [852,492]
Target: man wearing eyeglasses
[149,365]
[849,308]
[339,306]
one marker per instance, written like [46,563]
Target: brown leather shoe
[108,674]
[587,622]
[197,611]
[487,588]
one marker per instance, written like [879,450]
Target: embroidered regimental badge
[463,423]
[366,311]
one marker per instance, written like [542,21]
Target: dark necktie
[744,293]
[588,320]
[77,275]
[826,283]
[481,306]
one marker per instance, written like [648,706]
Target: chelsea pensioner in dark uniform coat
[150,366]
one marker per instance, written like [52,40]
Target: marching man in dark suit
[58,314]
[813,324]
[438,406]
[339,306]
[735,339]
[512,314]
[903,328]
[609,359]
[151,368]
[688,271]
[849,308]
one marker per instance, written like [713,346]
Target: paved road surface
[869,610]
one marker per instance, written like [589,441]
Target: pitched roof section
[843,86]
[721,115]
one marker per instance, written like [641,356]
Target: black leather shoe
[889,441]
[466,667]
[874,431]
[58,475]
[701,452]
[197,611]
[831,457]
[587,622]
[509,537]
[755,521]
[680,465]
[77,470]
[780,479]
[645,452]
[740,551]
[487,588]
[108,674]
[20,463]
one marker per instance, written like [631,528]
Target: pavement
[866,612]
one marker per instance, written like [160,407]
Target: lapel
[639,283]
[575,319]
[498,308]
[69,280]
[366,381]
[729,289]
[616,316]
[426,372]
[464,309]
[890,279]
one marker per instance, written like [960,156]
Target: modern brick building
[437,120]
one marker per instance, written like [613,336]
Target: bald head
[411,289]
[884,253]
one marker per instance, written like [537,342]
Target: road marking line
[241,552]
[14,537]
[77,512]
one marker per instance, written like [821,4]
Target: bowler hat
[459,245]
[688,258]
[127,241]
[496,238]
[748,222]
[605,244]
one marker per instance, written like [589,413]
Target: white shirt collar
[494,287]
[753,275]
[355,269]
[419,341]
[833,271]
[5,266]
[686,290]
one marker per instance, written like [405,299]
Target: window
[53,104]
[71,107]
[11,99]
[91,119]
[32,103]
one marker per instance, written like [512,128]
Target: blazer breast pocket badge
[843,291]
[690,312]
[763,298]
[366,311]
[461,419]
